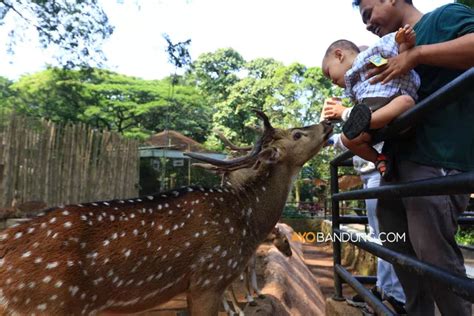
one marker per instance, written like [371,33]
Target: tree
[76,28]
[469,3]
[107,100]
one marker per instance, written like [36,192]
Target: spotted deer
[127,256]
[280,241]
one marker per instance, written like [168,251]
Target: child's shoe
[358,121]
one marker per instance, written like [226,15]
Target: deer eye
[297,135]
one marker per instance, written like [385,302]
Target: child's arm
[405,38]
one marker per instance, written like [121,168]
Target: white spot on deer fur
[67,224]
[106,242]
[178,254]
[114,236]
[135,232]
[47,279]
[58,284]
[127,253]
[224,253]
[53,297]
[112,218]
[231,230]
[3,237]
[150,197]
[249,211]
[226,220]
[30,230]
[160,227]
[18,235]
[83,245]
[204,232]
[221,199]
[26,254]
[42,307]
[31,285]
[217,248]
[52,220]
[196,235]
[167,232]
[43,225]
[95,204]
[65,213]
[38,260]
[176,193]
[52,265]
[175,227]
[70,263]
[73,290]
[167,205]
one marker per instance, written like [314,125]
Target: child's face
[335,67]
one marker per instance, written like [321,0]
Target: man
[444,49]
[388,286]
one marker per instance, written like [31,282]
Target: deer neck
[264,196]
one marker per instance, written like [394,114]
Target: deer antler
[229,144]
[244,161]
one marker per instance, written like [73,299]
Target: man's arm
[454,54]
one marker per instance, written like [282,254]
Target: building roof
[174,140]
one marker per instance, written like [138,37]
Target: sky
[286,30]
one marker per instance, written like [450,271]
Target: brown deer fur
[130,255]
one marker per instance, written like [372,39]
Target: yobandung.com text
[348,237]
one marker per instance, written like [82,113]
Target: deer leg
[248,286]
[252,276]
[204,303]
[233,299]
[227,308]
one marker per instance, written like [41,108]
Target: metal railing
[457,184]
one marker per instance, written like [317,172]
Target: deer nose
[328,127]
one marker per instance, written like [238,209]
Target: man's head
[338,60]
[384,16]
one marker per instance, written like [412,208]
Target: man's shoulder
[448,11]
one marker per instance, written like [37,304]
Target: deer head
[130,255]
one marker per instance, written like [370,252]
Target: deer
[280,241]
[130,255]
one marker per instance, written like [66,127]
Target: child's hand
[406,37]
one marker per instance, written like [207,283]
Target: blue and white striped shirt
[358,86]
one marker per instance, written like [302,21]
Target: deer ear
[269,155]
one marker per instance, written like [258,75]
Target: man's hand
[395,67]
[332,109]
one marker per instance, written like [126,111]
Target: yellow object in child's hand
[378,60]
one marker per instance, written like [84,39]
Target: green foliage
[107,100]
[465,236]
[76,28]
[469,3]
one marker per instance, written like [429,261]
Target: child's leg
[361,147]
[391,110]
